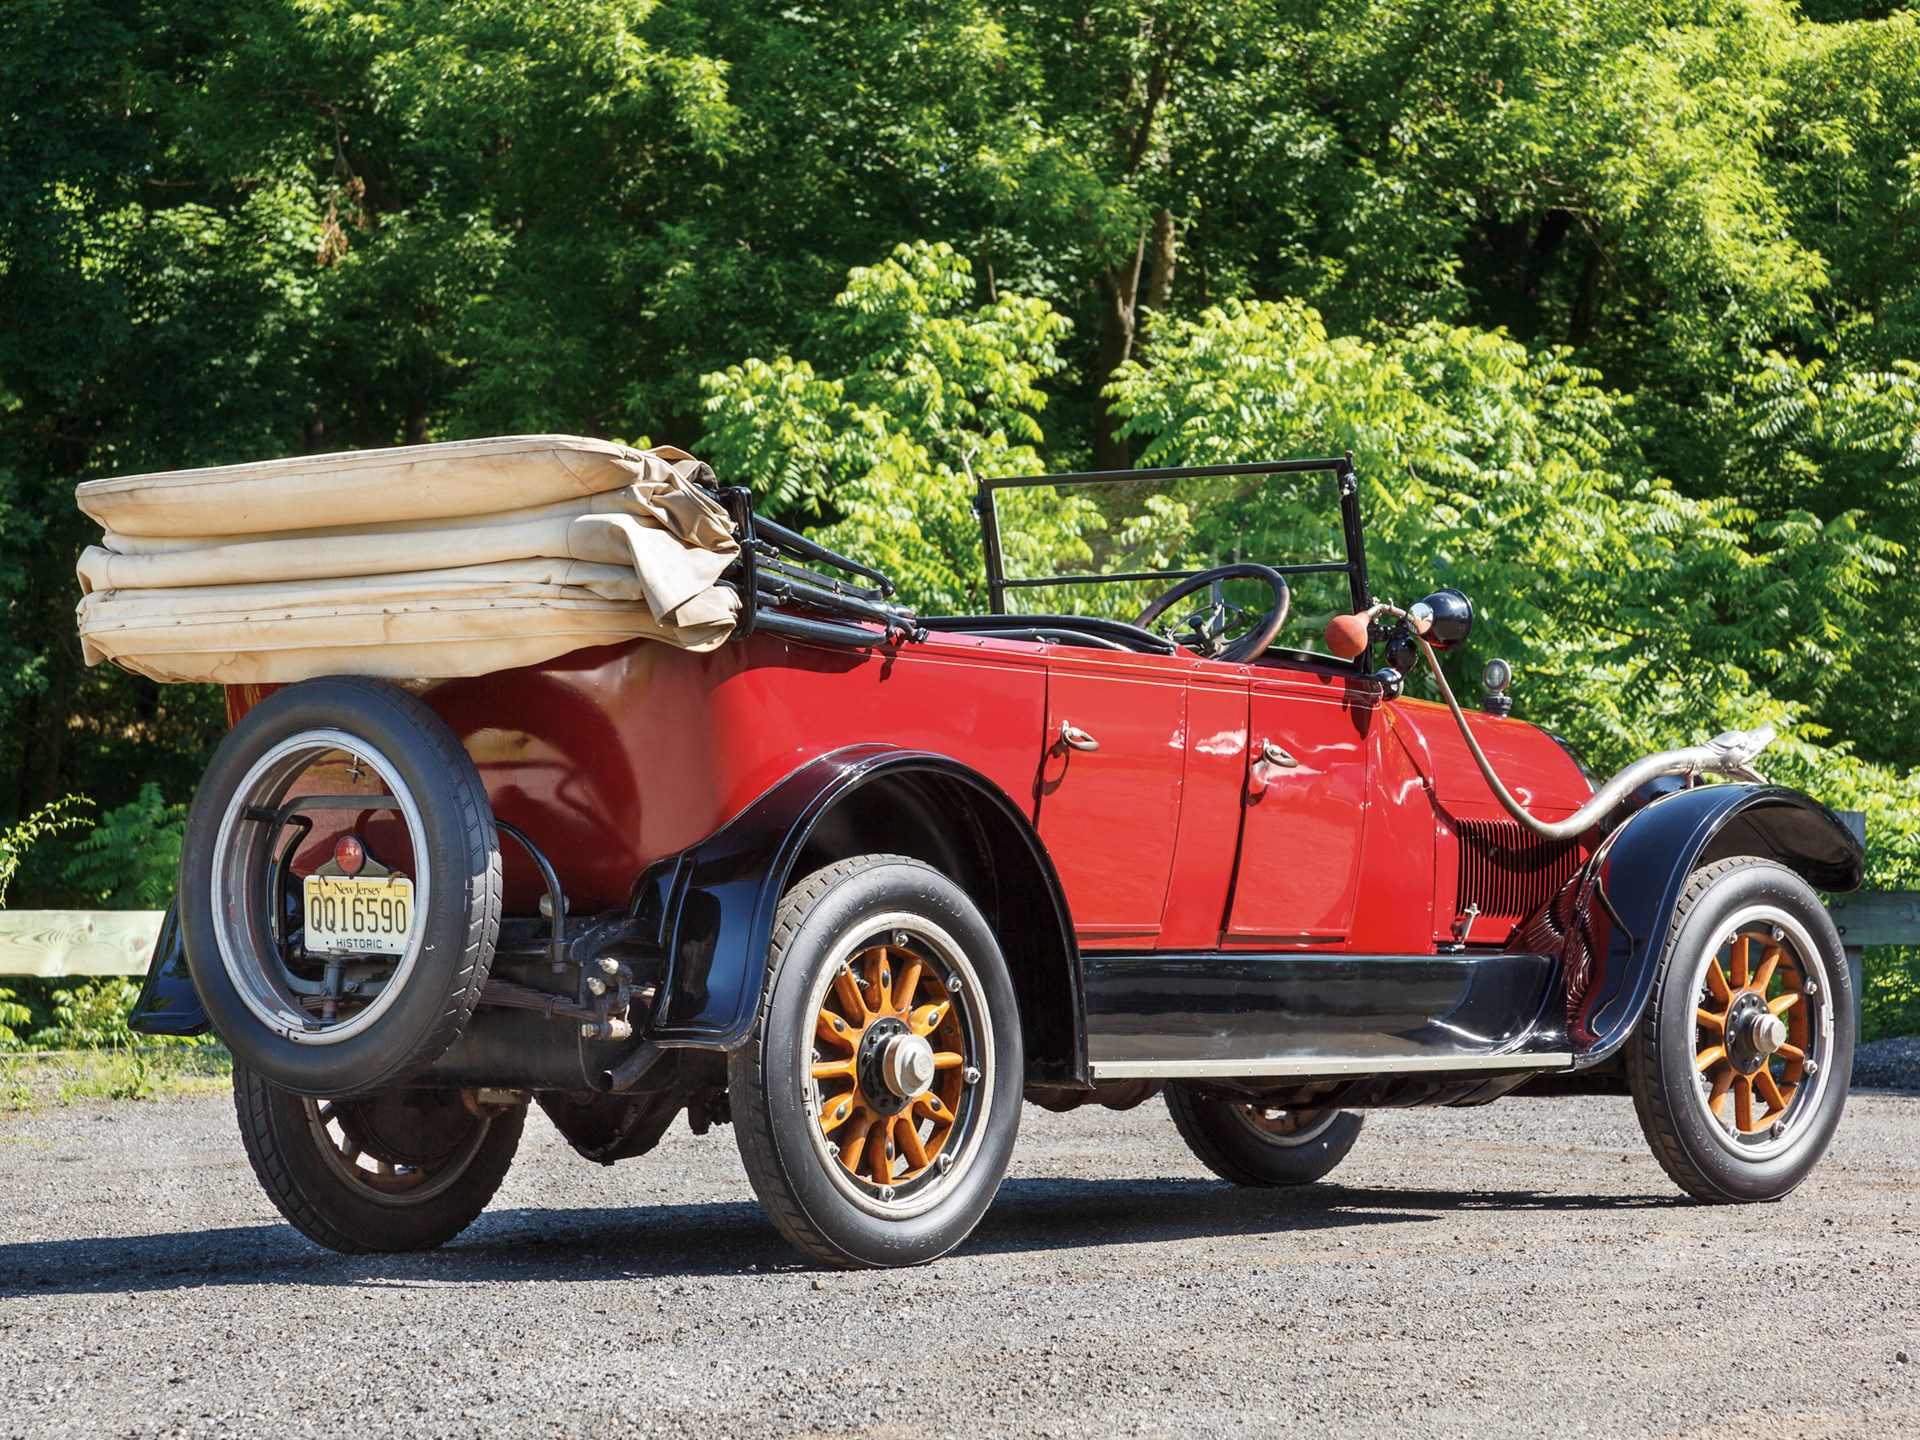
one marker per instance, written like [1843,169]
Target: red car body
[1171,836]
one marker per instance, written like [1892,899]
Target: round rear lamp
[349,854]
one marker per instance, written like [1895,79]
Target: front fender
[712,907]
[1612,921]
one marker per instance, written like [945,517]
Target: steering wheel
[1205,630]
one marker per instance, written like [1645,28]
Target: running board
[1171,1015]
[1291,1067]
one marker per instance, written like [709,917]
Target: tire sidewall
[1759,883]
[390,1051]
[889,887]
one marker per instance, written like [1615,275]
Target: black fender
[1610,924]
[168,1003]
[711,908]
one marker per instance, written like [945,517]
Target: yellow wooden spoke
[934,1106]
[1742,971]
[1711,1020]
[1709,1057]
[855,1147]
[908,983]
[838,1111]
[907,1135]
[1780,1004]
[1722,1085]
[835,1030]
[849,991]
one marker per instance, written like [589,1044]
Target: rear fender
[712,907]
[168,1003]
[1610,924]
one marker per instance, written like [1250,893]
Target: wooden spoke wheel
[402,1148]
[877,1100]
[1756,1047]
[1255,1143]
[1739,1067]
[891,1067]
[403,1170]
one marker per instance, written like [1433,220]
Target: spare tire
[380,995]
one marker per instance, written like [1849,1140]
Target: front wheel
[1254,1144]
[405,1170]
[876,1102]
[1739,1069]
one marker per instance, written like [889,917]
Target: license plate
[368,915]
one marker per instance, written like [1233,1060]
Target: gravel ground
[1888,1064]
[1521,1270]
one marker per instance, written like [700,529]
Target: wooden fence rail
[49,943]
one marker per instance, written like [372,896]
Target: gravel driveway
[1521,1270]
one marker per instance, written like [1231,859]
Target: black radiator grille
[1508,872]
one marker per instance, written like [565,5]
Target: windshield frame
[1340,467]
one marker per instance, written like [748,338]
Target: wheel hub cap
[1767,1033]
[907,1066]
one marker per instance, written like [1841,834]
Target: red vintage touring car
[859,881]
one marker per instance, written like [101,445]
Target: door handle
[1272,754]
[1074,738]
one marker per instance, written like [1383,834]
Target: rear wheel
[877,1100]
[407,1170]
[359,1009]
[1254,1144]
[1739,1069]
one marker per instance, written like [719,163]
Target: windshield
[1107,546]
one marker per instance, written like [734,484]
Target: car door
[1109,788]
[1305,808]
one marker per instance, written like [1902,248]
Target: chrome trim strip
[1295,1065]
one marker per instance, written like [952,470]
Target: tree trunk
[1119,296]
[1120,307]
[1165,248]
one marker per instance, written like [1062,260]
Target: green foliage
[15,1016]
[131,860]
[91,1015]
[74,1014]
[16,838]
[916,385]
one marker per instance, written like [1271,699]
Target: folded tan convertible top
[426,561]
